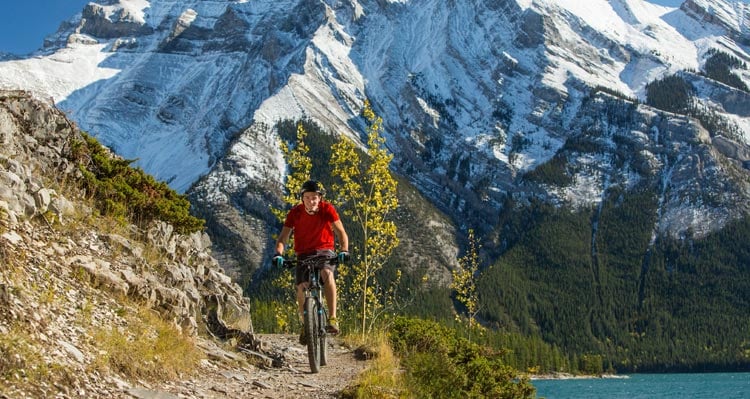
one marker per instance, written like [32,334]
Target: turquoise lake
[649,386]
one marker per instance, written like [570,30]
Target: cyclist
[314,222]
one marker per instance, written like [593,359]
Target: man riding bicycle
[314,222]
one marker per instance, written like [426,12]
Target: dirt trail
[289,379]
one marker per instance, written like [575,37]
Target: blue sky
[25,23]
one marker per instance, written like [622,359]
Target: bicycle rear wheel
[312,330]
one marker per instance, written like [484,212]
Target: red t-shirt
[312,232]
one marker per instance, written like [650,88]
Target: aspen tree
[366,192]
[464,280]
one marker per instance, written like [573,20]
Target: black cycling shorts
[302,275]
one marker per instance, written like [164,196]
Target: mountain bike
[315,315]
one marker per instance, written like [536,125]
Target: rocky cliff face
[66,272]
[701,181]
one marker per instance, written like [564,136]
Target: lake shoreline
[568,376]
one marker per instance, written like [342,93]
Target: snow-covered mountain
[475,95]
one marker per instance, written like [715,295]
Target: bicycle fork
[322,315]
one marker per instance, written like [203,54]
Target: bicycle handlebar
[317,260]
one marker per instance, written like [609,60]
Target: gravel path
[290,377]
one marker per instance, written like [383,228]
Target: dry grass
[147,347]
[4,222]
[144,346]
[23,370]
[384,378]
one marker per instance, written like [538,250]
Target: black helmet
[312,186]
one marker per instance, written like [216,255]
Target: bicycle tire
[312,331]
[323,345]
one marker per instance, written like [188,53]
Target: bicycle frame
[315,315]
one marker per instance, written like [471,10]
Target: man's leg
[329,287]
[300,312]
[300,299]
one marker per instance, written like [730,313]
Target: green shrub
[441,364]
[129,194]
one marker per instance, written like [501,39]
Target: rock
[365,352]
[261,384]
[72,350]
[142,393]
[97,21]
[12,237]
[44,199]
[62,208]
[123,243]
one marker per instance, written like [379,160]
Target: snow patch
[60,74]
[132,10]
[187,17]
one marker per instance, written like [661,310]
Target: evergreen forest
[679,305]
[583,291]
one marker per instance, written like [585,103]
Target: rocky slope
[67,274]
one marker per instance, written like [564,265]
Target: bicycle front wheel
[312,331]
[323,345]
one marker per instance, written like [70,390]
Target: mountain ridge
[465,115]
[488,108]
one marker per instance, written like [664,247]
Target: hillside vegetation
[588,289]
[675,305]
[98,294]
